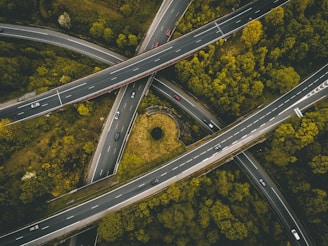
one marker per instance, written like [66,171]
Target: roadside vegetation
[253,66]
[28,66]
[45,157]
[219,208]
[117,24]
[48,156]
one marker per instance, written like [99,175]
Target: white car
[262,182]
[117,115]
[295,234]
[34,227]
[35,105]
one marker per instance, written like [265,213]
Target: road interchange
[261,125]
[232,140]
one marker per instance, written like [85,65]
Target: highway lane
[62,40]
[252,169]
[107,156]
[141,65]
[231,141]
[109,150]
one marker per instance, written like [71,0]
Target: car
[210,125]
[35,105]
[117,136]
[262,182]
[176,97]
[34,227]
[168,32]
[295,234]
[117,115]
[133,94]
[156,44]
[155,181]
[217,147]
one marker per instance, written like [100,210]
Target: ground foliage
[267,58]
[220,208]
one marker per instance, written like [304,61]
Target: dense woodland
[221,208]
[251,68]
[266,59]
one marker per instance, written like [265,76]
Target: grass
[143,152]
[87,7]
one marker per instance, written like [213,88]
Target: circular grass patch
[143,152]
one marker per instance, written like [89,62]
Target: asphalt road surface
[139,66]
[231,141]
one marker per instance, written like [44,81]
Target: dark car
[117,136]
[176,97]
[155,181]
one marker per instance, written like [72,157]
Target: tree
[64,20]
[121,40]
[306,133]
[111,227]
[275,17]
[108,34]
[35,185]
[133,40]
[97,29]
[252,33]
[88,147]
[83,110]
[126,9]
[283,79]
[319,164]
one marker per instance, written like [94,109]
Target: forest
[233,76]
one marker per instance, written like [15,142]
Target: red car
[168,32]
[156,44]
[176,97]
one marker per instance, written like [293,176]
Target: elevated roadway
[232,141]
[136,67]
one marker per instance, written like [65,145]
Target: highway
[128,121]
[231,141]
[138,66]
[109,151]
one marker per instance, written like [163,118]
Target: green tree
[283,79]
[110,228]
[275,17]
[319,164]
[133,40]
[97,29]
[252,33]
[126,9]
[83,109]
[88,147]
[108,34]
[35,186]
[121,40]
